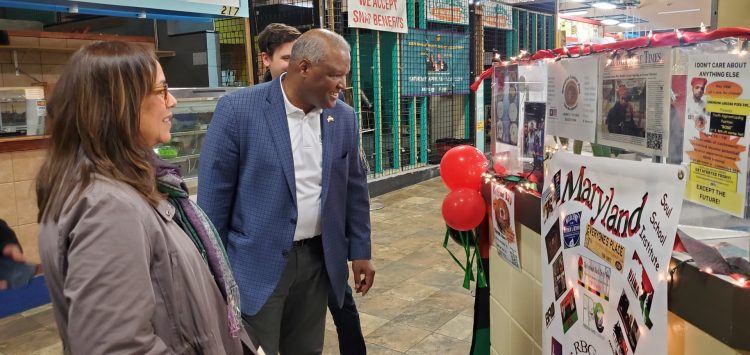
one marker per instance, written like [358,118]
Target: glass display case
[192,115]
[22,111]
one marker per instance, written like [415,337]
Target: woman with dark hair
[132,265]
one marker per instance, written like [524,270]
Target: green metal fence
[400,130]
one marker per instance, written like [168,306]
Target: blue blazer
[247,189]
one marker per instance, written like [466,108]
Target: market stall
[621,150]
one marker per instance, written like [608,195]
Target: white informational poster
[634,95]
[572,92]
[506,100]
[608,230]
[504,224]
[715,142]
[379,15]
[505,119]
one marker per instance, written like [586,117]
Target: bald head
[314,45]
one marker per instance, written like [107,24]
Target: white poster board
[634,96]
[572,92]
[607,241]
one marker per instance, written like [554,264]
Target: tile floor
[416,306]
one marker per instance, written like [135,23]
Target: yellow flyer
[715,142]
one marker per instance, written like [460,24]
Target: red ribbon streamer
[656,40]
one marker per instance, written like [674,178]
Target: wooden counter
[21,143]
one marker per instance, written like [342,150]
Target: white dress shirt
[307,150]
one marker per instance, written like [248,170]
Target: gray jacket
[125,279]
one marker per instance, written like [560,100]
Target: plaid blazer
[247,189]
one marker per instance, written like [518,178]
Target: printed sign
[606,269]
[213,7]
[504,224]
[379,15]
[497,15]
[716,141]
[633,91]
[434,63]
[572,88]
[594,277]
[506,102]
[448,11]
[572,230]
[605,247]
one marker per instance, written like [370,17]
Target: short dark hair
[274,35]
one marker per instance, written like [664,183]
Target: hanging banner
[434,63]
[608,237]
[572,91]
[504,224]
[233,8]
[448,11]
[506,103]
[379,15]
[497,15]
[717,107]
[634,91]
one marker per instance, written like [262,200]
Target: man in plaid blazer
[280,178]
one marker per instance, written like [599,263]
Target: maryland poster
[607,242]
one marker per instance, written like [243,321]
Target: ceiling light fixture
[574,13]
[604,5]
[609,22]
[677,11]
[626,25]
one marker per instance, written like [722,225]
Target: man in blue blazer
[280,178]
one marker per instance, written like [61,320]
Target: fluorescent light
[609,22]
[677,11]
[604,5]
[626,25]
[574,13]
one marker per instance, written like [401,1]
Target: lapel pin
[329,119]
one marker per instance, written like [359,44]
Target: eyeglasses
[164,89]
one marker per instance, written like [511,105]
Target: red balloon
[462,167]
[464,209]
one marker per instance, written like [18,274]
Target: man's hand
[360,269]
[13,252]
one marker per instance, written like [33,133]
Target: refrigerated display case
[22,111]
[192,115]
